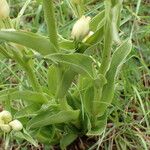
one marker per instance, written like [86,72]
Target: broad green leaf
[59,85]
[79,62]
[28,111]
[98,127]
[67,140]
[28,39]
[52,77]
[25,135]
[117,60]
[67,45]
[45,134]
[92,105]
[100,107]
[88,100]
[96,20]
[25,96]
[54,115]
[65,82]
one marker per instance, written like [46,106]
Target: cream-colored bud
[5,116]
[5,128]
[81,28]
[16,125]
[1,121]
[4,9]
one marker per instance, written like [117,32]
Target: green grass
[128,125]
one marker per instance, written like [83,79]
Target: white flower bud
[5,128]
[1,121]
[5,116]
[81,28]
[16,125]
[4,9]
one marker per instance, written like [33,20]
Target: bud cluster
[7,123]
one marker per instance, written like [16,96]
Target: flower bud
[16,125]
[81,28]
[1,121]
[4,9]
[5,128]
[5,116]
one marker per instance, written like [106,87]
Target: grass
[128,125]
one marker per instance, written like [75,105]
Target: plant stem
[134,21]
[33,80]
[106,55]
[50,21]
[28,69]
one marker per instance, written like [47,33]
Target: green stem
[29,71]
[50,21]
[106,55]
[33,79]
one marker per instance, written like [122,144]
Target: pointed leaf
[28,111]
[28,39]
[96,20]
[117,60]
[53,116]
[26,136]
[67,140]
[25,96]
[80,63]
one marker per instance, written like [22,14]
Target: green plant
[80,86]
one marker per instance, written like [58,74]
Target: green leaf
[54,115]
[25,96]
[39,43]
[67,45]
[59,85]
[65,82]
[52,77]
[96,20]
[99,126]
[100,107]
[79,62]
[25,135]
[96,37]
[45,134]
[88,100]
[117,60]
[28,111]
[67,140]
